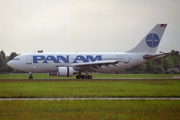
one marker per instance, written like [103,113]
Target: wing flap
[95,65]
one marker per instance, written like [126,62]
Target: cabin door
[126,59]
[29,59]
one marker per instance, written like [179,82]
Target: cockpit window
[15,58]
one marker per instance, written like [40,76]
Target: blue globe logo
[152,40]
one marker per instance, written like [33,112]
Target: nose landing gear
[30,75]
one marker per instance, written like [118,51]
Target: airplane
[65,64]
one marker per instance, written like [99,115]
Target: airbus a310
[64,64]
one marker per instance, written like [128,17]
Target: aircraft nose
[10,64]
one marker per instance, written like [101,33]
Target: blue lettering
[98,57]
[51,58]
[80,57]
[66,60]
[60,58]
[36,58]
[88,57]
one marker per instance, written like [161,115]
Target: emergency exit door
[126,59]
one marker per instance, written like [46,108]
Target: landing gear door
[29,59]
[126,59]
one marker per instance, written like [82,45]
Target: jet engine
[63,72]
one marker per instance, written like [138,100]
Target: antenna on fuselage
[40,51]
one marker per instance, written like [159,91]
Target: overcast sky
[85,25]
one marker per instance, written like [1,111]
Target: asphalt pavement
[129,98]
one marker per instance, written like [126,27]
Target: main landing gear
[83,77]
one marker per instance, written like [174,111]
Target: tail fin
[151,41]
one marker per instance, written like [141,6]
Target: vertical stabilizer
[150,42]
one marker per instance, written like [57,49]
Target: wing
[94,66]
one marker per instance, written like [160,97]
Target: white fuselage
[67,64]
[48,62]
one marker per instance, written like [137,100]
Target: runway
[129,98]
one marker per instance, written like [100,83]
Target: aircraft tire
[85,77]
[82,76]
[89,77]
[78,76]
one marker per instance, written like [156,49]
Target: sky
[27,26]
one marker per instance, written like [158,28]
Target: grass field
[89,110]
[17,85]
[36,76]
[90,88]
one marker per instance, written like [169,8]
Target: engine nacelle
[65,71]
[52,73]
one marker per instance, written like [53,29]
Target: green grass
[89,110]
[26,76]
[18,86]
[90,88]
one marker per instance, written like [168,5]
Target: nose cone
[13,64]
[10,64]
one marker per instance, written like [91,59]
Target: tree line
[158,66]
[4,68]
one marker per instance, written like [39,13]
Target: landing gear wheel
[89,77]
[82,76]
[30,77]
[85,77]
[78,76]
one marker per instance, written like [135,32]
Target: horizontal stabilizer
[152,56]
